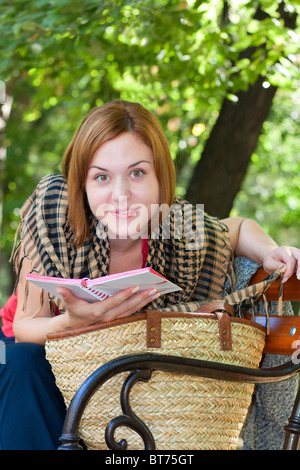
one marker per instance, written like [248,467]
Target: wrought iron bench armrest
[141,367]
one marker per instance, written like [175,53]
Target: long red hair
[100,125]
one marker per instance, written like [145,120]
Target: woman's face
[122,187]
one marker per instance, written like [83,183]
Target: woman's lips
[120,212]
[125,213]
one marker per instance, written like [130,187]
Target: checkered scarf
[196,255]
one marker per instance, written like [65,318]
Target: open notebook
[94,290]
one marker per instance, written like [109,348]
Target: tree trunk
[218,175]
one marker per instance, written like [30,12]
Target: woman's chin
[128,234]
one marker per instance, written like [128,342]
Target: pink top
[145,250]
[8,311]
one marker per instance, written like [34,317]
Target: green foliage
[178,58]
[270,192]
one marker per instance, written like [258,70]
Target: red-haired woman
[101,217]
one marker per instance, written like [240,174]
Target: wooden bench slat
[284,336]
[291,288]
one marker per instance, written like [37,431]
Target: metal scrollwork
[140,367]
[129,418]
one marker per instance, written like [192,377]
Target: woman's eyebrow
[140,161]
[130,166]
[98,167]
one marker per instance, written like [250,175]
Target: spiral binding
[100,295]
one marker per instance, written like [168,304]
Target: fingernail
[135,290]
[298,276]
[152,292]
[156,296]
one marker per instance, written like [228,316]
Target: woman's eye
[137,173]
[103,178]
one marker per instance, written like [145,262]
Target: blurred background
[222,77]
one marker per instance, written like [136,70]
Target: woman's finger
[130,305]
[90,313]
[296,254]
[283,256]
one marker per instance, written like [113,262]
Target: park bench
[284,338]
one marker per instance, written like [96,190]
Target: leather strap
[222,310]
[216,305]
[153,329]
[224,330]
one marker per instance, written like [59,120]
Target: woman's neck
[125,255]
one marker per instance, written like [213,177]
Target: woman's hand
[283,256]
[80,313]
[34,323]
[250,240]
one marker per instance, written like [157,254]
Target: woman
[97,220]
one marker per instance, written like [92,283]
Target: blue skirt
[32,409]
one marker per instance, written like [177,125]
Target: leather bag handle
[219,309]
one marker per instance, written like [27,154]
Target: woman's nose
[120,188]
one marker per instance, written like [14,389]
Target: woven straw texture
[181,411]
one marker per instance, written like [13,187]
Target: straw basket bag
[181,411]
